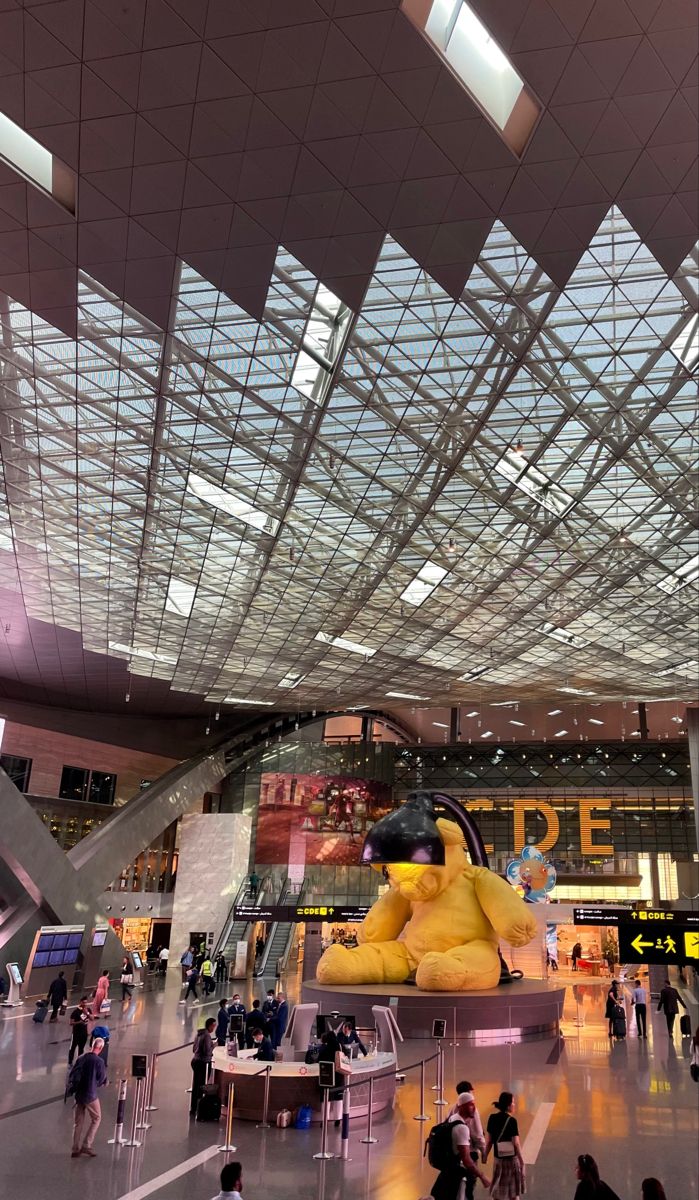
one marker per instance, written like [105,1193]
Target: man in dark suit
[237,1009]
[280,1020]
[263,1047]
[669,1000]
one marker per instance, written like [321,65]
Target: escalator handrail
[239,897]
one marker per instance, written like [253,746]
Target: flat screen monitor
[326,1074]
[56,958]
[99,937]
[137,960]
[235,1023]
[45,941]
[41,959]
[74,940]
[70,957]
[60,941]
[15,973]
[332,1022]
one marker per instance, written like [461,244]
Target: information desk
[295,1083]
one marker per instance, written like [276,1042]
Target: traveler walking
[192,977]
[502,1136]
[220,968]
[207,975]
[280,1020]
[259,946]
[78,1024]
[221,1023]
[231,1182]
[475,1125]
[236,1009]
[254,885]
[163,957]
[575,954]
[186,961]
[652,1189]
[57,994]
[454,1157]
[254,1020]
[331,1051]
[611,1006]
[669,1000]
[101,993]
[126,981]
[590,1186]
[86,1076]
[639,1000]
[203,1048]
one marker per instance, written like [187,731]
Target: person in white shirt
[447,1185]
[231,1182]
[639,1000]
[475,1125]
[162,960]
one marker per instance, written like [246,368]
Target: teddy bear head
[417,882]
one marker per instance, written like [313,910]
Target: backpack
[75,1075]
[439,1147]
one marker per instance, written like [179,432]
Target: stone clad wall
[214,853]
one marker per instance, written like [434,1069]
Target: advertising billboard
[326,817]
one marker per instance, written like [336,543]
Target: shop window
[18,770]
[77,783]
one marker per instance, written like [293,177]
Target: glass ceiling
[495,496]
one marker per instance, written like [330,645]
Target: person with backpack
[475,1125]
[449,1152]
[87,1074]
[203,1048]
[502,1137]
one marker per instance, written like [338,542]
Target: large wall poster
[329,814]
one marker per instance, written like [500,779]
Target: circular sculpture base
[514,1012]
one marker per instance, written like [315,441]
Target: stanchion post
[324,1152]
[136,1106]
[422,1116]
[118,1139]
[265,1111]
[440,1101]
[228,1147]
[454,1043]
[369,1140]
[150,1106]
[344,1141]
[142,1095]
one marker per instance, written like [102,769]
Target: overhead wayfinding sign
[674,944]
[300,913]
[621,916]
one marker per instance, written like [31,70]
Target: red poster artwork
[322,818]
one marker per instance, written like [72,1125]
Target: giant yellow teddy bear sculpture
[441,922]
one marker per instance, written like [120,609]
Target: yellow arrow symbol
[638,944]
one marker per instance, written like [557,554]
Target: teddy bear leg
[374,962]
[466,968]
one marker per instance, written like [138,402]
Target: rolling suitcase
[619,1024]
[209,1106]
[685,1025]
[40,1012]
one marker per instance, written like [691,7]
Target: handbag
[503,1147]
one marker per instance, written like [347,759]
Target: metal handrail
[264,961]
[239,898]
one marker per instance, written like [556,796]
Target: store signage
[618,916]
[297,914]
[674,944]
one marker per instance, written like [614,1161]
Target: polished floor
[632,1105]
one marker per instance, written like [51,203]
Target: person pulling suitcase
[203,1054]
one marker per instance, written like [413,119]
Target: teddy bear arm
[385,919]
[506,911]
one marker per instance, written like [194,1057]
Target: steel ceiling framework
[539,446]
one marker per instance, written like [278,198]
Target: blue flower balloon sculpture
[531,875]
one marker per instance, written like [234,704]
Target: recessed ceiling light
[142,652]
[471,675]
[519,723]
[32,160]
[440,725]
[504,703]
[554,712]
[472,714]
[344,644]
[290,681]
[563,635]
[561,733]
[405,696]
[594,721]
[678,668]
[679,578]
[427,579]
[573,691]
[488,733]
[246,700]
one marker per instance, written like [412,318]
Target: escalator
[237,931]
[281,933]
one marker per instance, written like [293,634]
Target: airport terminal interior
[349,599]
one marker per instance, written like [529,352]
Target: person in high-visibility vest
[207,974]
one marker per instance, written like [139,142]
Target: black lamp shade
[408,835]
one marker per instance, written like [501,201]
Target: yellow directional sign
[669,945]
[691,943]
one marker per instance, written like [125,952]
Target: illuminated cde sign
[595,819]
[295,914]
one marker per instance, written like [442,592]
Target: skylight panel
[142,652]
[344,644]
[427,579]
[180,597]
[405,696]
[685,574]
[563,635]
[247,700]
[470,675]
[227,501]
[573,691]
[686,344]
[290,681]
[464,43]
[530,480]
[33,161]
[678,668]
[322,344]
